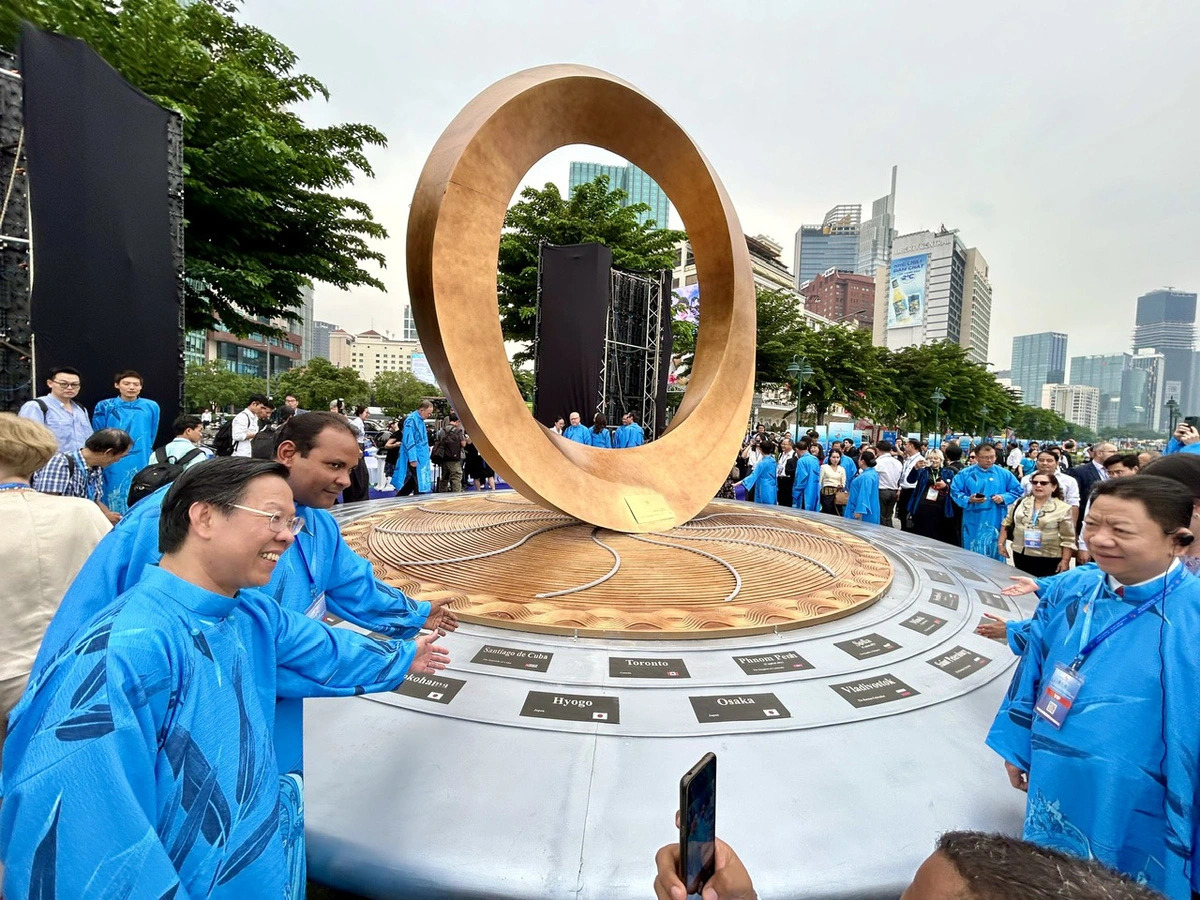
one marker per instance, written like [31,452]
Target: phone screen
[698,823]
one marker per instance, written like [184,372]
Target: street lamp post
[937,397]
[799,369]
[1173,409]
[983,411]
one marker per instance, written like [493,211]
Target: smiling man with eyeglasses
[58,410]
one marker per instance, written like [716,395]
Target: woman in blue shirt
[599,436]
[764,478]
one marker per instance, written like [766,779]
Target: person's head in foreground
[966,865]
[1135,526]
[225,524]
[319,450]
[1119,465]
[25,446]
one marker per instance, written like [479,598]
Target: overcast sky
[1061,138]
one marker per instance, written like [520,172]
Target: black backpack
[159,472]
[223,440]
[262,445]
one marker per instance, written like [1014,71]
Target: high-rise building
[1103,372]
[924,295]
[410,324]
[1038,359]
[321,332]
[976,330]
[370,353]
[637,185]
[877,233]
[306,322]
[1143,391]
[1166,323]
[832,245]
[1079,404]
[842,297]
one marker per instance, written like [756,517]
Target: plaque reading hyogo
[572,707]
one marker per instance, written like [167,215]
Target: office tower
[410,324]
[976,329]
[1038,359]
[924,295]
[637,185]
[1079,404]
[875,236]
[1166,324]
[1103,372]
[321,332]
[830,246]
[1143,391]
[306,323]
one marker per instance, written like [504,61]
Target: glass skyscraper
[831,245]
[1105,373]
[1037,360]
[638,186]
[1166,323]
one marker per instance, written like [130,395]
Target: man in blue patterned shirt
[78,474]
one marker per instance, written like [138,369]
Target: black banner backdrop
[105,292]
[573,308]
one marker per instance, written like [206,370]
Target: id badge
[1033,539]
[316,609]
[931,494]
[1059,695]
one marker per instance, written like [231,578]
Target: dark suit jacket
[1088,477]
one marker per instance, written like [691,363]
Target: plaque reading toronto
[939,576]
[572,707]
[959,662]
[435,688]
[944,598]
[628,667]
[867,646]
[994,600]
[923,623]
[772,663]
[512,658]
[873,691]
[739,708]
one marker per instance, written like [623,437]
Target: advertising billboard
[906,299]
[421,368]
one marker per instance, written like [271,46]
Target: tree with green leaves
[593,213]
[264,195]
[320,382]
[214,384]
[400,392]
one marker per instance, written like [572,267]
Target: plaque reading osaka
[739,708]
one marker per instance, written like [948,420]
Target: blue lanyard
[1108,632]
[14,485]
[1034,517]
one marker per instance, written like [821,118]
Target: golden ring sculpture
[453,246]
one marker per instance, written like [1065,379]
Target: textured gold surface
[732,570]
[453,243]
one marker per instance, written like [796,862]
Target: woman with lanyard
[1042,529]
[930,506]
[1101,723]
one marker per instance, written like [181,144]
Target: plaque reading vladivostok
[959,662]
[739,708]
[923,623]
[773,663]
[512,658]
[572,707]
[994,600]
[867,646]
[873,691]
[944,598]
[436,688]
[629,667]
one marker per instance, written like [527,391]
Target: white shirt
[889,469]
[1070,487]
[1014,457]
[906,468]
[245,427]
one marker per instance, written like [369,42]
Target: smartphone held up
[698,824]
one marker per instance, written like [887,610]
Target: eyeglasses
[277,522]
[1039,482]
[68,385]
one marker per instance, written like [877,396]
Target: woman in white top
[833,479]
[46,540]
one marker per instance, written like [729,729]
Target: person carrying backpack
[235,436]
[59,412]
[169,461]
[448,453]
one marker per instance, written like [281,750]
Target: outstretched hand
[430,658]
[1020,586]
[441,618]
[994,629]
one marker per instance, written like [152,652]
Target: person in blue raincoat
[138,417]
[598,435]
[863,502]
[763,479]
[576,431]
[317,575]
[630,433]
[850,464]
[984,492]
[140,761]
[806,489]
[413,474]
[1101,723]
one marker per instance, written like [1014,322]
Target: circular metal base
[548,766]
